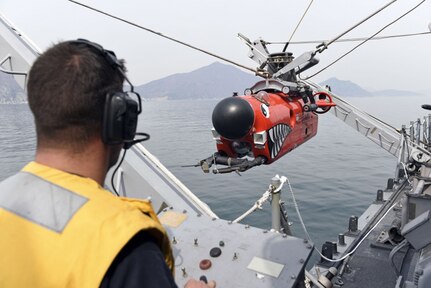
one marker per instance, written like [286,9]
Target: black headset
[120,115]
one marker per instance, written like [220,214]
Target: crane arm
[382,134]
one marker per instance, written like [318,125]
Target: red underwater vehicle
[274,116]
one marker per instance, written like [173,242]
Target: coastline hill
[215,81]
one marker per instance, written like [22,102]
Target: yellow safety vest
[62,230]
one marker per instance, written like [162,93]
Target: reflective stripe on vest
[39,201]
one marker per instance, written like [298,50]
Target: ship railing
[415,144]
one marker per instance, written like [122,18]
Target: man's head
[67,90]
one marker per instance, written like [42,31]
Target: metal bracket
[11,72]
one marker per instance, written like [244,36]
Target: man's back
[65,230]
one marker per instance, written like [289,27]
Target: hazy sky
[213,25]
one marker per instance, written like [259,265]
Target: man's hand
[193,283]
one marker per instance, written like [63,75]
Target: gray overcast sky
[213,25]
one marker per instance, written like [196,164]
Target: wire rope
[297,25]
[164,36]
[351,39]
[365,41]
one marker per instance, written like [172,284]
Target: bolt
[293,277]
[184,272]
[235,256]
[174,241]
[221,243]
[199,215]
[309,246]
[214,219]
[247,226]
[166,209]
[301,260]
[265,231]
[284,235]
[170,208]
[339,281]
[420,272]
[305,241]
[196,242]
[184,211]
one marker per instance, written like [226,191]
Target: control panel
[233,254]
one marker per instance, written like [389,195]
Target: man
[60,227]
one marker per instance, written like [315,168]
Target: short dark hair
[67,88]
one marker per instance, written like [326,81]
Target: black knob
[204,279]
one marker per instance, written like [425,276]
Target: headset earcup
[130,119]
[120,118]
[115,109]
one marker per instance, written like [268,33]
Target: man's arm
[139,264]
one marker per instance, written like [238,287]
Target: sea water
[334,175]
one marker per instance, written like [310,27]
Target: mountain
[219,81]
[349,89]
[345,88]
[10,91]
[213,81]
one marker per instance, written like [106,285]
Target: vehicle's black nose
[233,118]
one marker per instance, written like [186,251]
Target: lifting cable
[297,25]
[164,36]
[256,72]
[366,40]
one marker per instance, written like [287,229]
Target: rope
[164,36]
[363,42]
[265,197]
[257,205]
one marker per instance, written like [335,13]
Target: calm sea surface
[334,175]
